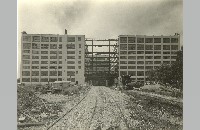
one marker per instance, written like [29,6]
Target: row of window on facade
[47,73]
[147,40]
[46,79]
[46,57]
[136,73]
[148,57]
[47,52]
[142,62]
[147,52]
[48,39]
[47,62]
[147,47]
[50,67]
[46,46]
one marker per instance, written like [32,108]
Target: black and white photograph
[99,65]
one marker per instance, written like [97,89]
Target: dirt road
[102,108]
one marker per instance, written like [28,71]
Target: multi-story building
[52,57]
[140,54]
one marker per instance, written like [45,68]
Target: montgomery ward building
[140,54]
[52,57]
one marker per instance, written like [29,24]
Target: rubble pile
[31,108]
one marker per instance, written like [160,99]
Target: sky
[100,19]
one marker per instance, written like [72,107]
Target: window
[44,62]
[140,62]
[166,40]
[140,40]
[26,51]
[71,39]
[131,62]
[157,52]
[70,52]
[149,57]
[70,46]
[131,57]
[25,73]
[166,47]
[35,73]
[123,62]
[35,52]
[140,57]
[44,67]
[79,52]
[35,46]
[149,47]
[60,57]
[123,46]
[35,67]
[131,46]
[44,46]
[35,79]
[131,39]
[52,79]
[173,57]
[157,47]
[123,73]
[174,40]
[36,38]
[173,52]
[157,57]
[59,73]
[148,52]
[45,39]
[140,52]
[26,67]
[79,45]
[35,57]
[132,73]
[140,67]
[27,38]
[140,73]
[149,67]
[26,45]
[35,62]
[53,52]
[71,73]
[131,67]
[148,40]
[70,57]
[25,79]
[53,62]
[140,47]
[44,57]
[157,62]
[53,73]
[44,79]
[148,62]
[70,67]
[26,56]
[79,57]
[53,39]
[59,67]
[26,62]
[166,57]
[131,52]
[123,67]
[166,62]
[44,52]
[70,62]
[53,57]
[53,46]
[60,46]
[79,38]
[53,67]
[166,52]
[157,40]
[79,62]
[60,39]
[60,62]
[79,67]
[174,47]
[60,52]
[123,39]
[123,57]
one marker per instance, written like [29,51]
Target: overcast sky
[100,19]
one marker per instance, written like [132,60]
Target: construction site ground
[102,108]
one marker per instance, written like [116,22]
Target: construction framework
[92,73]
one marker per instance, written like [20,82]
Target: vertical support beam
[92,58]
[109,60]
